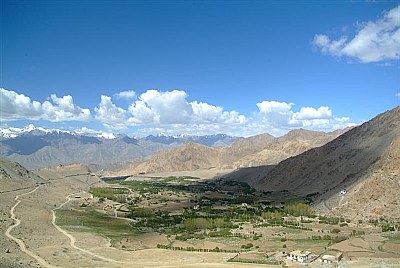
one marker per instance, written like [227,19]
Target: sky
[198,67]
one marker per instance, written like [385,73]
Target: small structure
[299,255]
[331,259]
[343,192]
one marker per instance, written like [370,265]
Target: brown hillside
[293,143]
[13,176]
[363,160]
[245,152]
[191,156]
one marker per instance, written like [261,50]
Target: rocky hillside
[190,156]
[244,152]
[364,161]
[291,144]
[13,176]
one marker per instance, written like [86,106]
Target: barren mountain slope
[244,152]
[74,176]
[245,146]
[293,143]
[348,162]
[190,156]
[14,176]
[379,189]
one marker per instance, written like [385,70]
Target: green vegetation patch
[299,209]
[115,194]
[87,219]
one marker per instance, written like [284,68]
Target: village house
[299,255]
[331,259]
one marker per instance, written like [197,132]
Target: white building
[299,255]
[330,259]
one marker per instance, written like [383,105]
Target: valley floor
[53,246]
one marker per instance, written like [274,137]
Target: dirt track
[21,243]
[72,238]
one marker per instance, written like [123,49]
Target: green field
[89,220]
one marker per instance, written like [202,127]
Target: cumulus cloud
[275,114]
[128,94]
[309,113]
[279,117]
[274,107]
[15,106]
[375,40]
[207,113]
[109,114]
[170,107]
[170,112]
[142,114]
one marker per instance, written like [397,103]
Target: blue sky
[236,67]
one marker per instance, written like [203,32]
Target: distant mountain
[258,150]
[208,140]
[291,144]
[38,147]
[190,156]
[365,161]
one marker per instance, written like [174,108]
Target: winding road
[72,239]
[21,243]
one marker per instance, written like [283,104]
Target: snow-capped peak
[107,136]
[29,128]
[13,132]
[161,134]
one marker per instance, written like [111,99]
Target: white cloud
[128,94]
[397,94]
[207,113]
[16,106]
[274,107]
[278,117]
[170,107]
[142,114]
[110,115]
[309,113]
[170,112]
[86,130]
[275,114]
[64,110]
[375,41]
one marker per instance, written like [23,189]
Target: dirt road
[21,243]
[72,239]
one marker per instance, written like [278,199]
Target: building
[299,255]
[330,259]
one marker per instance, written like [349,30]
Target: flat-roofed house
[299,255]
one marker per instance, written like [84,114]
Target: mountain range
[38,147]
[258,150]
